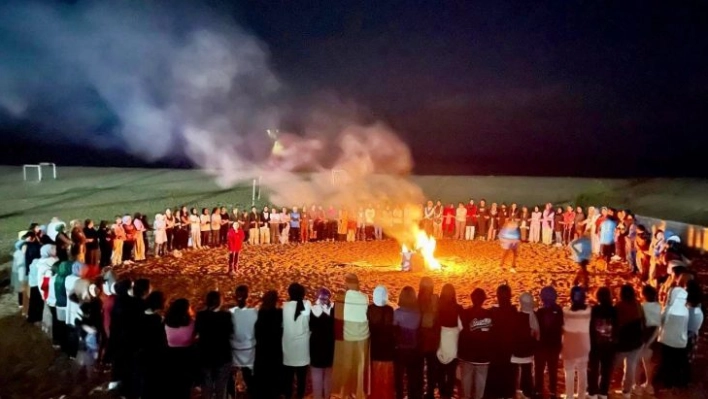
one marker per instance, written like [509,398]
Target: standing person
[504,323]
[268,365]
[205,228]
[351,348]
[603,331]
[408,363]
[428,302]
[471,220]
[630,247]
[140,237]
[160,235]
[642,244]
[449,221]
[129,243]
[460,221]
[274,225]
[213,328]
[526,344]
[576,343]
[361,225]
[652,314]
[170,222]
[547,221]
[254,226]
[342,224]
[124,337]
[474,346]
[428,215]
[235,243]
[352,226]
[105,243]
[40,272]
[322,344]
[296,340]
[295,225]
[284,226]
[383,343]
[673,338]
[568,225]
[225,225]
[369,220]
[438,220]
[535,230]
[180,356]
[493,219]
[524,220]
[19,273]
[509,237]
[243,339]
[77,249]
[264,229]
[607,239]
[215,224]
[591,227]
[153,348]
[195,229]
[581,252]
[558,226]
[550,323]
[630,327]
[93,254]
[579,223]
[306,225]
[449,312]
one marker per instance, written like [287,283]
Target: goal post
[38,167]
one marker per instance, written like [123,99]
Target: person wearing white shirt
[243,339]
[296,339]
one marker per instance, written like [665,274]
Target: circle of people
[349,346]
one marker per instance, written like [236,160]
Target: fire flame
[425,246]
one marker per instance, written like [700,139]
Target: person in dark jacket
[550,322]
[268,366]
[322,344]
[526,342]
[504,319]
[429,333]
[474,346]
[603,325]
[213,328]
[383,344]
[124,338]
[449,317]
[408,361]
[630,328]
[153,347]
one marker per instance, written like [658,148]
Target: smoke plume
[158,79]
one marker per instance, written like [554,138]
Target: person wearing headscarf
[63,270]
[350,374]
[140,237]
[528,333]
[63,242]
[449,318]
[40,273]
[322,344]
[550,323]
[576,343]
[52,228]
[213,328]
[93,254]
[243,339]
[630,327]
[296,339]
[428,302]
[500,382]
[78,241]
[73,310]
[19,273]
[118,239]
[268,364]
[380,316]
[160,235]
[603,330]
[409,362]
[673,338]
[130,237]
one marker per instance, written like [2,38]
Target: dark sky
[586,88]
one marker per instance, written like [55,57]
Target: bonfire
[421,255]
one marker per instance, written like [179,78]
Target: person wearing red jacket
[235,239]
[449,221]
[471,222]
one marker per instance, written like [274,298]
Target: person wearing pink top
[180,357]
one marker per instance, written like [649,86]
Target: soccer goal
[38,168]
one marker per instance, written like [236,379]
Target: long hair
[213,300]
[178,314]
[269,301]
[448,308]
[504,296]
[297,294]
[627,293]
[603,295]
[407,298]
[425,294]
[241,295]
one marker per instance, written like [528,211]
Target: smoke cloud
[161,79]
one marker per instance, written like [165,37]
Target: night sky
[562,88]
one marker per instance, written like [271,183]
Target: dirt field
[29,368]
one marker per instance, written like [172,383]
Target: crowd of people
[347,345]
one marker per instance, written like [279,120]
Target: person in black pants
[213,328]
[603,323]
[550,322]
[408,361]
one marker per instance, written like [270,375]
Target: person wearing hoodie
[652,313]
[382,330]
[630,327]
[603,330]
[73,310]
[474,346]
[243,339]
[409,362]
[40,273]
[296,340]
[322,344]
[528,333]
[550,322]
[449,318]
[576,343]
[504,323]
[673,338]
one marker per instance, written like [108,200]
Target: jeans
[214,381]
[300,374]
[630,368]
[431,373]
[474,379]
[233,261]
[469,232]
[546,359]
[524,378]
[408,362]
[447,378]
[571,367]
[600,367]
[321,382]
[460,230]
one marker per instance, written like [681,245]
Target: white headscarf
[380,296]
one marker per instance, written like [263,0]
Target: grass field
[102,193]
